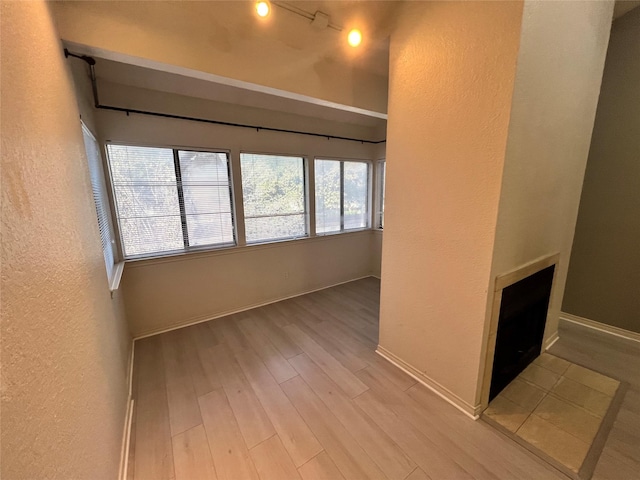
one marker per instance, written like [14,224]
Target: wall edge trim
[471,411]
[601,327]
[128,418]
[126,440]
[551,341]
[206,318]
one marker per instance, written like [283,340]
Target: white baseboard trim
[126,438]
[472,411]
[130,373]
[601,327]
[551,341]
[128,418]
[195,321]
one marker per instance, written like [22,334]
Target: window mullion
[341,196]
[310,194]
[183,215]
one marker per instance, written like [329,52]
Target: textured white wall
[560,65]
[452,69]
[65,343]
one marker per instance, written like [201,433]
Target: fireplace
[527,292]
[521,324]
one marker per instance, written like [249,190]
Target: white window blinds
[355,193]
[207,198]
[328,196]
[101,200]
[273,191]
[170,200]
[342,194]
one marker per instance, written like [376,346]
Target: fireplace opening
[523,315]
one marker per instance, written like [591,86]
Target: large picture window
[273,191]
[342,194]
[170,200]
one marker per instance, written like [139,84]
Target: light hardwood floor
[620,359]
[294,390]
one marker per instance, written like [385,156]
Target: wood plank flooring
[294,390]
[620,359]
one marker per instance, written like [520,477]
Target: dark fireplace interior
[523,314]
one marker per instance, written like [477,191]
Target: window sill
[342,232]
[193,255]
[114,283]
[275,240]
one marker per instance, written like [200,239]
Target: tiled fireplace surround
[575,415]
[501,282]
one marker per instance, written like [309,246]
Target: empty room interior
[320,240]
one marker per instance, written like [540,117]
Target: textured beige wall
[120,95]
[222,38]
[168,292]
[603,283]
[84,93]
[452,69]
[552,115]
[376,253]
[65,344]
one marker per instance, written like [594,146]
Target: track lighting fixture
[263,8]
[355,37]
[319,19]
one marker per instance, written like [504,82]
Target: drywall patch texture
[603,282]
[65,345]
[452,69]
[560,64]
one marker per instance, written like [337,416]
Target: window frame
[236,196]
[379,193]
[305,192]
[176,161]
[369,164]
[113,265]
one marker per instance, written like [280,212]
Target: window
[380,196]
[101,201]
[273,190]
[342,193]
[170,200]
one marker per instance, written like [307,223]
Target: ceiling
[374,18]
[233,28]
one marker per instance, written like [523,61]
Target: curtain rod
[94,86]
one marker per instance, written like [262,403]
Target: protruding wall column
[485,169]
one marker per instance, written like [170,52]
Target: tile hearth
[557,408]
